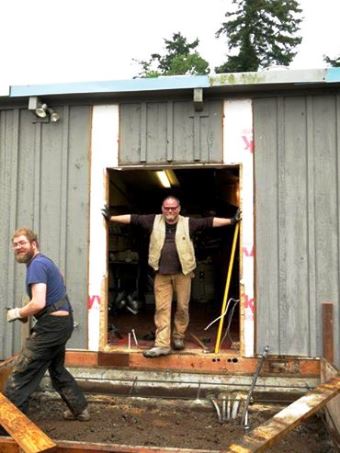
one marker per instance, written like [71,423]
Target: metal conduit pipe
[234,411]
[133,385]
[218,410]
[245,415]
[224,407]
[229,402]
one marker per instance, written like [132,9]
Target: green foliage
[260,33]
[181,58]
[334,62]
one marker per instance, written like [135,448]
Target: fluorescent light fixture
[163,179]
[172,177]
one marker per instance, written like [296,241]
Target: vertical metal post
[245,415]
[327,332]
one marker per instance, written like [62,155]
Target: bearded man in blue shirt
[44,349]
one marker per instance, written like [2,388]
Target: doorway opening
[203,192]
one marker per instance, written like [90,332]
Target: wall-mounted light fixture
[198,99]
[167,178]
[41,110]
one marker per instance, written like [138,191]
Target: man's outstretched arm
[220,221]
[123,218]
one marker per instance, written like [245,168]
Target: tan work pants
[165,286]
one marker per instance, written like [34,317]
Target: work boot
[156,352]
[178,344]
[82,417]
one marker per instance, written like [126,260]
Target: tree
[334,62]
[181,58]
[260,33]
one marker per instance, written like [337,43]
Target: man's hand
[106,213]
[13,314]
[237,217]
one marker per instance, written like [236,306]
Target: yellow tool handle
[226,289]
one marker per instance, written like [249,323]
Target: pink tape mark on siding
[250,305]
[249,143]
[92,300]
[248,252]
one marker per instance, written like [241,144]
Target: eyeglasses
[19,244]
[170,208]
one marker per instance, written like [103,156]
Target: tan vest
[184,245]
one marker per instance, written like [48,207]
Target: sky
[44,41]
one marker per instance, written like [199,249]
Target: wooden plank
[5,370]
[194,360]
[77,447]
[4,373]
[8,361]
[116,360]
[27,435]
[309,367]
[273,430]
[327,331]
[197,362]
[82,358]
[332,407]
[7,445]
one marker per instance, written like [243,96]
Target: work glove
[13,314]
[106,213]
[237,217]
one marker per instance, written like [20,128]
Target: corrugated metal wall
[44,184]
[297,171]
[170,132]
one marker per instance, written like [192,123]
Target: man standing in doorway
[172,257]
[45,348]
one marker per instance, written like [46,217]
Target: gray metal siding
[45,185]
[297,221]
[170,132]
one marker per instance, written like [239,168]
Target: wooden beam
[81,358]
[27,435]
[8,446]
[266,435]
[332,407]
[81,447]
[193,361]
[327,331]
[5,370]
[8,361]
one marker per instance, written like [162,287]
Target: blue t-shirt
[43,270]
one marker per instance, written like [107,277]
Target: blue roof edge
[163,83]
[332,75]
[115,86]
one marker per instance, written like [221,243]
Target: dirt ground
[169,423]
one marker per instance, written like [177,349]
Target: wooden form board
[26,434]
[5,370]
[266,435]
[333,406]
[195,362]
[8,446]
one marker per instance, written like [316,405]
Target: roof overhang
[266,80]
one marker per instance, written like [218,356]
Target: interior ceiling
[199,189]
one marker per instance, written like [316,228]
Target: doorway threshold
[195,362]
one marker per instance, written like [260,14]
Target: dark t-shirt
[169,261]
[43,270]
